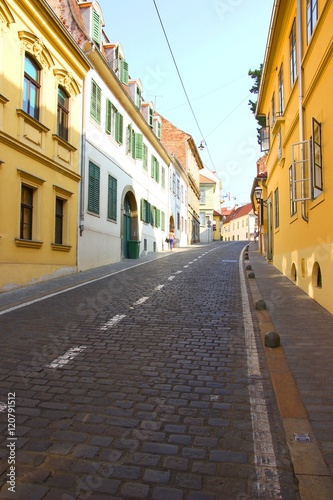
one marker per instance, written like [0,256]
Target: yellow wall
[31,152]
[296,241]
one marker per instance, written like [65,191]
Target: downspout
[300,92]
[88,47]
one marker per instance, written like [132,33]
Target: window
[292,54]
[93,188]
[281,92]
[276,207]
[27,194]
[174,183]
[112,198]
[202,196]
[311,17]
[163,177]
[63,112]
[178,188]
[155,169]
[95,102]
[123,75]
[114,122]
[59,221]
[316,153]
[134,143]
[96,27]
[293,205]
[31,87]
[145,158]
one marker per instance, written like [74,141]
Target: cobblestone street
[150,383]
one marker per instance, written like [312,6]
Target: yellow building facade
[41,78]
[295,96]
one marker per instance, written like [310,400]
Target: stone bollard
[272,339]
[260,305]
[251,275]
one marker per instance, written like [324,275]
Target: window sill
[60,248]
[28,243]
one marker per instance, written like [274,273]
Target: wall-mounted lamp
[202,145]
[1,162]
[257,194]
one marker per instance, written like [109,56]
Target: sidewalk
[302,372]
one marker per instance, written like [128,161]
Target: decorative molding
[66,80]
[37,48]
[28,243]
[61,248]
[6,16]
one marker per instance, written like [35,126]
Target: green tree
[256,76]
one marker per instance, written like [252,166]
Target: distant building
[239,223]
[210,205]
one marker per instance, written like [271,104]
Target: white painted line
[67,357]
[191,262]
[140,301]
[159,287]
[171,278]
[178,272]
[113,321]
[267,484]
[3,407]
[186,266]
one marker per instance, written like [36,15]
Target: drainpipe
[300,91]
[88,47]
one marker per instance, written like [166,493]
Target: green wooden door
[127,226]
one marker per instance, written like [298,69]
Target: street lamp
[257,194]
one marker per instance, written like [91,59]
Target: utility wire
[180,78]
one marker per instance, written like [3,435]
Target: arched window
[63,113]
[31,87]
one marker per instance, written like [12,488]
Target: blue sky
[214,44]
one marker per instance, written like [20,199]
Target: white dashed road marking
[113,321]
[140,301]
[67,357]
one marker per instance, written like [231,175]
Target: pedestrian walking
[171,239]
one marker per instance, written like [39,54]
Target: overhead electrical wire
[182,83]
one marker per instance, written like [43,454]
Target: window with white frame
[95,102]
[281,91]
[114,122]
[293,204]
[316,156]
[311,17]
[292,54]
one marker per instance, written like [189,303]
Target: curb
[310,468]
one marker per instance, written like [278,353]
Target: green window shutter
[119,128]
[108,116]
[124,71]
[139,146]
[129,138]
[153,159]
[145,157]
[157,172]
[142,209]
[151,115]
[163,221]
[96,27]
[95,101]
[133,144]
[163,177]
[93,188]
[158,217]
[112,198]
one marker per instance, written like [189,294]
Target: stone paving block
[25,491]
[163,493]
[135,491]
[156,476]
